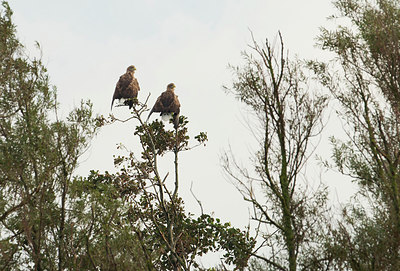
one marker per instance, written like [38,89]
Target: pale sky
[88,44]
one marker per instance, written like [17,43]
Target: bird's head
[171,86]
[131,68]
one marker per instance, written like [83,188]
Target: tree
[289,218]
[38,155]
[366,84]
[170,238]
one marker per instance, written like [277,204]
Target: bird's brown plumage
[168,103]
[127,88]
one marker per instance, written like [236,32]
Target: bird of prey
[127,88]
[167,104]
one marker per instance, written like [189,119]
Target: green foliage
[102,236]
[38,154]
[361,240]
[155,136]
[365,84]
[201,138]
[369,45]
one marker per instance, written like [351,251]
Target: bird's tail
[112,102]
[129,102]
[176,120]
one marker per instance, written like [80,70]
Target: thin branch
[198,201]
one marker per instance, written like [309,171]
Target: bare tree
[289,218]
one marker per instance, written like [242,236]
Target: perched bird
[167,104]
[127,88]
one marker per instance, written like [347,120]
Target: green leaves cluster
[163,140]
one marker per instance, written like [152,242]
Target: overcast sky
[88,44]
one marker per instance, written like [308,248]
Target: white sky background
[88,44]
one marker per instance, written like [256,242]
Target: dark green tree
[38,155]
[366,84]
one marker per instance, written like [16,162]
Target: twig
[198,201]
